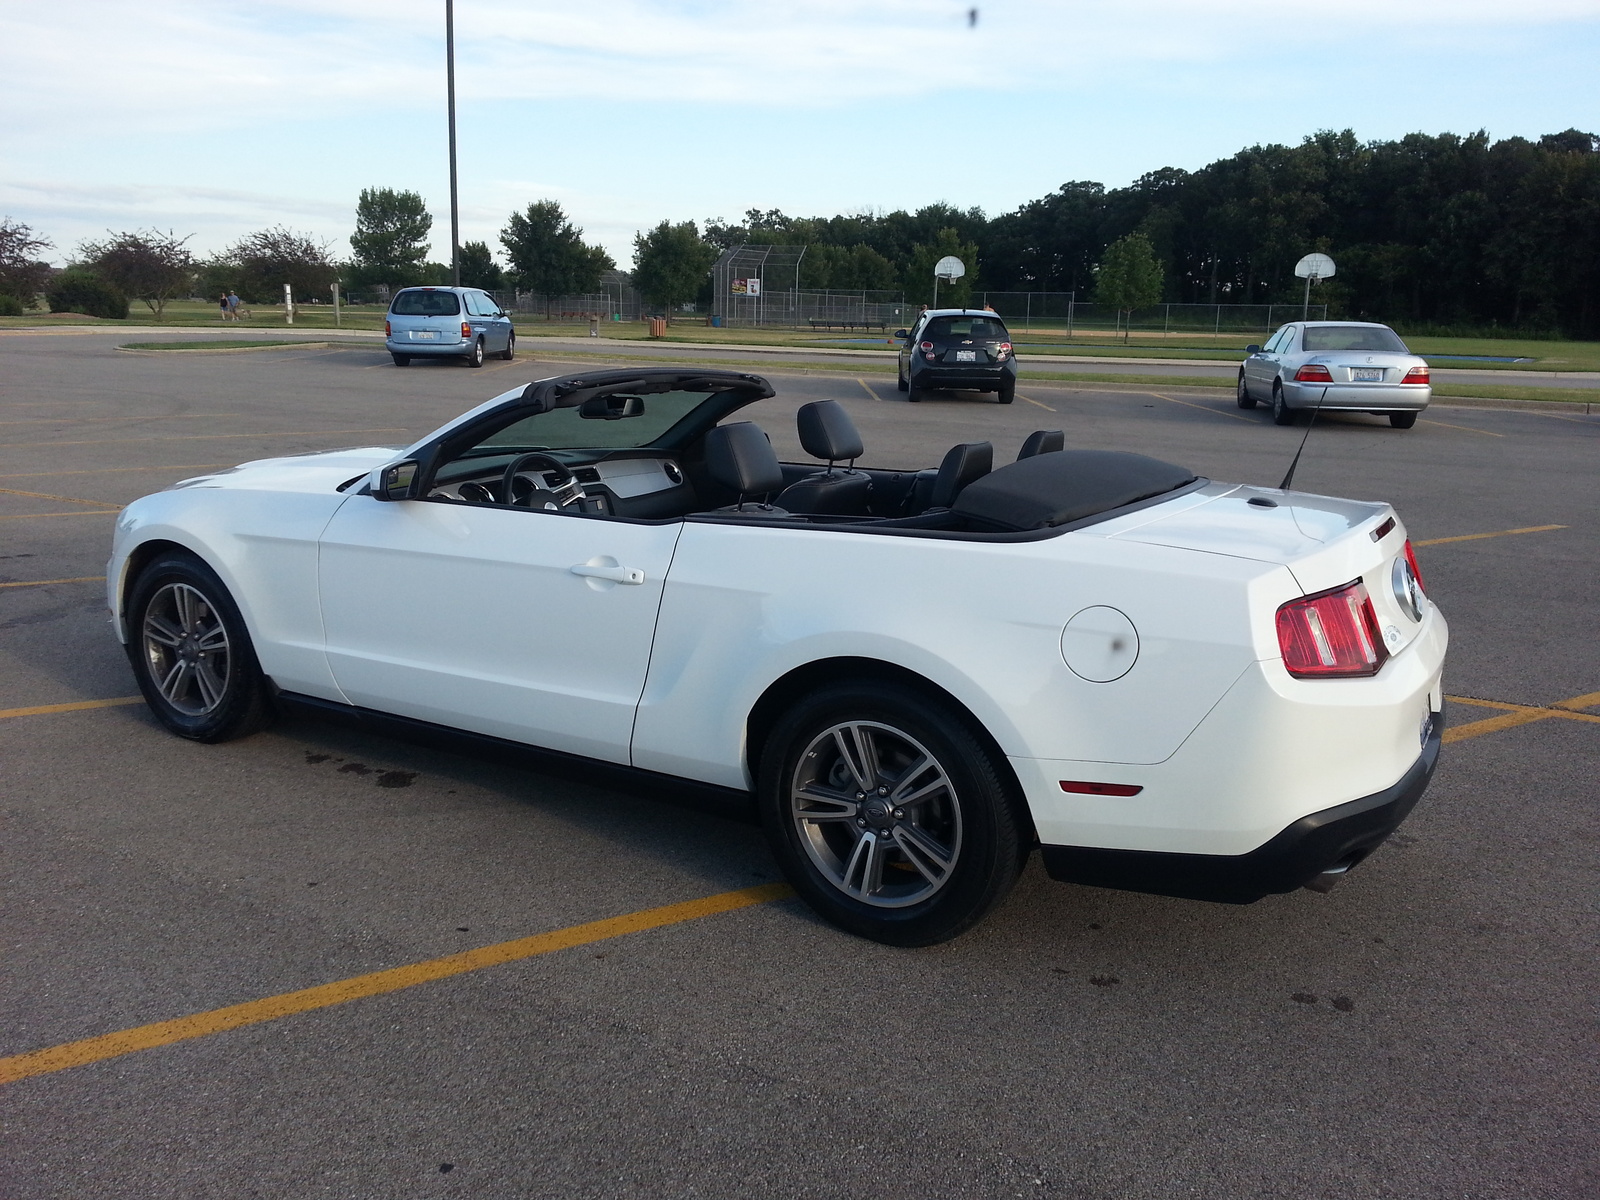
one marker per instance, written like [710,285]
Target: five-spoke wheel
[889,812]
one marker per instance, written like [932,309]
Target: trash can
[716,321]
[658,327]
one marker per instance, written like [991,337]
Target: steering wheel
[566,492]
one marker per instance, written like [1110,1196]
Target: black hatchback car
[963,348]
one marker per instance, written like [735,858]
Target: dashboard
[642,486]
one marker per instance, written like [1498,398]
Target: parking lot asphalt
[1427,1029]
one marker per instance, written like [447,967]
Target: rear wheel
[888,814]
[1008,393]
[401,360]
[474,356]
[1403,420]
[1242,393]
[191,653]
[1282,414]
[510,351]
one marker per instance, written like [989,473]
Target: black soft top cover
[1056,489]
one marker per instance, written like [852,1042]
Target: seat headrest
[826,431]
[740,457]
[961,465]
[1042,441]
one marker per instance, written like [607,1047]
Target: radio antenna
[1289,477]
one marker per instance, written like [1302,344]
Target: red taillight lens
[466,331]
[1332,634]
[927,346]
[387,331]
[1411,561]
[1416,375]
[1313,373]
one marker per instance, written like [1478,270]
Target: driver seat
[741,459]
[827,432]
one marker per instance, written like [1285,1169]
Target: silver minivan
[447,322]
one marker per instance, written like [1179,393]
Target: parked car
[1348,365]
[960,348]
[1166,683]
[447,322]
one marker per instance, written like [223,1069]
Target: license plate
[1367,374]
[966,356]
[424,336]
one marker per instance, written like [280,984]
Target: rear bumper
[1362,397]
[403,346]
[984,377]
[1332,839]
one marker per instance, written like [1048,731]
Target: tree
[77,290]
[670,263]
[22,274]
[143,265]
[926,256]
[269,258]
[478,268]
[1129,276]
[390,243]
[547,252]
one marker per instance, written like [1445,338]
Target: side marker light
[1101,789]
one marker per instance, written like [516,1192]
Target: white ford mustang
[1169,684]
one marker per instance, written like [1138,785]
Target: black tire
[510,351]
[191,653]
[401,360]
[902,384]
[1282,414]
[1403,420]
[913,392]
[1008,392]
[1242,394]
[966,814]
[475,356]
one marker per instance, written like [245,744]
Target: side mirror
[611,408]
[397,481]
[1252,349]
[902,334]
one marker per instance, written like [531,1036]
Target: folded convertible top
[1056,489]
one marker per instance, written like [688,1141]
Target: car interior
[655,452]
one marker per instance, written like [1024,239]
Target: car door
[529,625]
[1260,367]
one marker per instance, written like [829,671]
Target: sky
[215,119]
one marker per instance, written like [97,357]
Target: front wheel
[1402,420]
[510,351]
[1282,414]
[888,814]
[1242,393]
[474,356]
[902,383]
[191,653]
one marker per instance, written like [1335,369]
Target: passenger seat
[827,432]
[939,489]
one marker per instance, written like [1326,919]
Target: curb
[224,349]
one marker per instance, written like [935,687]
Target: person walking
[227,309]
[234,303]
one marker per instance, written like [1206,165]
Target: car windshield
[426,303]
[976,328]
[564,429]
[1353,337]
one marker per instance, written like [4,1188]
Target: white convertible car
[1168,684]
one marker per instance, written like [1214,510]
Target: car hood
[320,472]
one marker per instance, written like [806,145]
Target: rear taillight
[387,331]
[1313,373]
[1332,634]
[1411,561]
[466,331]
[1005,349]
[1416,375]
[926,346]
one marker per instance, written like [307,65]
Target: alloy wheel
[187,649]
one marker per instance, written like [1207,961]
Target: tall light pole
[450,87]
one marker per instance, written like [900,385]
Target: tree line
[1441,231]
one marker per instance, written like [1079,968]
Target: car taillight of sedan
[927,350]
[1416,375]
[1313,373]
[1331,635]
[1004,351]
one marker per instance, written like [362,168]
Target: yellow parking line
[1032,401]
[254,1012]
[1513,715]
[1464,428]
[1202,407]
[198,437]
[1577,702]
[45,582]
[42,710]
[1473,537]
[867,389]
[63,499]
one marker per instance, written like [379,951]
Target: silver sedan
[1348,365]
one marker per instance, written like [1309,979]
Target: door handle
[615,574]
